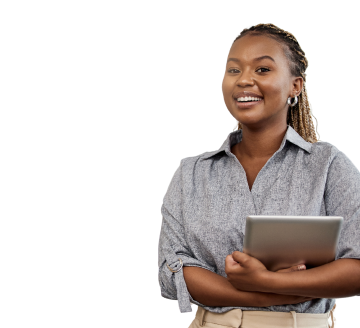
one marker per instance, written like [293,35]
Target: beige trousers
[262,319]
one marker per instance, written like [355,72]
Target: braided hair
[299,116]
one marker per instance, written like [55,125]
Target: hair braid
[299,117]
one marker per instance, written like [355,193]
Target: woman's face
[257,67]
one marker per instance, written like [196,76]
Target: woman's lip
[248,104]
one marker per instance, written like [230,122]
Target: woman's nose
[245,78]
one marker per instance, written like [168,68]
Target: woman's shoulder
[326,149]
[197,158]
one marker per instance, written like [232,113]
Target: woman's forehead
[251,47]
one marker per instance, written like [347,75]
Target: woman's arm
[337,279]
[211,289]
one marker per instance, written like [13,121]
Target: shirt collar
[236,136]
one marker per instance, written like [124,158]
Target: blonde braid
[299,117]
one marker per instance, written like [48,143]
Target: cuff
[183,295]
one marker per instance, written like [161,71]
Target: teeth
[248,99]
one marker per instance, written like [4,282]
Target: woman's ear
[297,85]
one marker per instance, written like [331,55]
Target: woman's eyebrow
[255,59]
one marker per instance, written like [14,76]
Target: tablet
[280,242]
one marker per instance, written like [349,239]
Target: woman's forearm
[337,279]
[211,289]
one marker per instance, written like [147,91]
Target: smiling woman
[295,64]
[272,165]
[300,117]
[269,64]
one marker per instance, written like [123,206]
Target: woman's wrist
[211,289]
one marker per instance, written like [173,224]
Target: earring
[294,103]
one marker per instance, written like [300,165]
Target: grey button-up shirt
[208,200]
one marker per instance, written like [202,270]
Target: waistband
[238,318]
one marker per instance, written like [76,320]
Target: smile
[248,102]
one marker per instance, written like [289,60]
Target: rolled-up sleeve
[174,251]
[342,198]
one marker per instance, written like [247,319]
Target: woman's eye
[264,68]
[233,69]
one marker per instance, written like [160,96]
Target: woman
[272,165]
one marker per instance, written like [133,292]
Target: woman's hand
[245,272]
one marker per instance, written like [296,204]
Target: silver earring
[294,103]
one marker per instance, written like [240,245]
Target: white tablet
[280,242]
